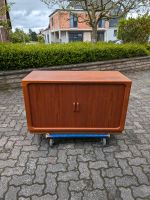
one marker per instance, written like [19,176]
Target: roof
[69,10]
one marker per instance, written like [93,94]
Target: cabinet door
[99,105]
[51,105]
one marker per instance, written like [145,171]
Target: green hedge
[20,56]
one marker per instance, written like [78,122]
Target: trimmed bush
[20,56]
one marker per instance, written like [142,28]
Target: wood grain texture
[76,106]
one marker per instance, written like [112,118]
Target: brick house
[64,27]
[4,17]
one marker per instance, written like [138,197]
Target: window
[73,21]
[52,21]
[100,36]
[101,23]
[113,22]
[115,33]
[75,36]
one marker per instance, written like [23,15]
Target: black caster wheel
[51,142]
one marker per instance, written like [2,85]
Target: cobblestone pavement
[30,169]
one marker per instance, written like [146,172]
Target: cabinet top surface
[75,76]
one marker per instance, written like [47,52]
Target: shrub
[19,56]
[134,30]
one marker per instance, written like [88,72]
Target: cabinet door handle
[78,107]
[74,106]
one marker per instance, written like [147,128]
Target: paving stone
[72,163]
[113,192]
[67,176]
[76,195]
[98,165]
[137,161]
[126,181]
[51,183]
[122,145]
[77,185]
[31,166]
[123,154]
[97,179]
[146,154]
[15,152]
[7,163]
[87,157]
[40,174]
[62,157]
[95,195]
[111,172]
[12,193]
[142,191]
[62,191]
[23,157]
[23,198]
[3,141]
[4,185]
[45,197]
[99,153]
[127,170]
[112,162]
[20,180]
[47,160]
[13,171]
[9,144]
[126,194]
[30,148]
[3,156]
[84,171]
[134,150]
[56,168]
[142,178]
[37,154]
[74,152]
[29,190]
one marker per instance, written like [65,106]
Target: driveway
[75,170]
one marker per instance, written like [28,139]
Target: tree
[99,9]
[33,35]
[4,16]
[40,39]
[135,30]
[19,36]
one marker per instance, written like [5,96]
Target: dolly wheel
[51,142]
[104,141]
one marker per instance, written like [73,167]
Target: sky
[27,14]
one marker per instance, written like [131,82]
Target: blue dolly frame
[53,136]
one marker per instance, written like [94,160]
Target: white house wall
[109,35]
[87,36]
[64,37]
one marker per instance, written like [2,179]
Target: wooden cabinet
[76,101]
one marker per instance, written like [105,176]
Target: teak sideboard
[76,101]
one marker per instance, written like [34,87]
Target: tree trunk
[94,34]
